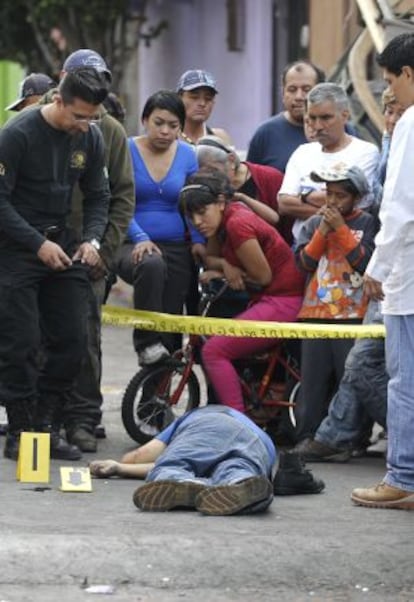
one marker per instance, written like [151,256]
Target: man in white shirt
[327,114]
[390,277]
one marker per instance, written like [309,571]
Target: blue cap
[84,57]
[196,78]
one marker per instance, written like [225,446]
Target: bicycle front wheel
[155,397]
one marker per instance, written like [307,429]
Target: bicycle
[160,393]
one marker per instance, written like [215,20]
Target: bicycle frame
[276,357]
[173,383]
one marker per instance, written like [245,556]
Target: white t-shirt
[308,157]
[392,262]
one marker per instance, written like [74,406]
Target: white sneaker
[152,354]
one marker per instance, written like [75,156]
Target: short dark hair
[298,66]
[167,101]
[349,187]
[398,53]
[85,83]
[202,188]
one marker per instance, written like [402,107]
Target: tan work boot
[384,496]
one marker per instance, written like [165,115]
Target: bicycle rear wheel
[155,397]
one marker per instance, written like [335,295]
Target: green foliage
[108,26]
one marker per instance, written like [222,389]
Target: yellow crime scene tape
[148,320]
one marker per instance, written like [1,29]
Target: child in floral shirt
[333,248]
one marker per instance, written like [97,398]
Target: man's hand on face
[54,256]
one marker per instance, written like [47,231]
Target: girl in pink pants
[252,252]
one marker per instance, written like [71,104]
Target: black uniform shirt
[39,166]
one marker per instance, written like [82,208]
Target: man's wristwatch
[304,195]
[95,243]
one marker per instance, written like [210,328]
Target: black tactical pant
[83,406]
[42,327]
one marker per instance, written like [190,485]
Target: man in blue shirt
[276,139]
[214,459]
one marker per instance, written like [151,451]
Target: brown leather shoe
[84,439]
[311,450]
[384,496]
[163,495]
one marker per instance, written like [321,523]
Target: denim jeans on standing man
[399,344]
[361,398]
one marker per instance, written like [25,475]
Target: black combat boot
[48,420]
[293,478]
[19,417]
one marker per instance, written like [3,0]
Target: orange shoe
[384,496]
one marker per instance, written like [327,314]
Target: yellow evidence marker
[33,463]
[75,479]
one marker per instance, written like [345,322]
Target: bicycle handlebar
[215,288]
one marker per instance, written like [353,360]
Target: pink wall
[197,38]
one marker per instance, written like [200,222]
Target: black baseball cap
[35,84]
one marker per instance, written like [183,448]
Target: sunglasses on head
[214,144]
[200,187]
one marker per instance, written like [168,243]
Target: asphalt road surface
[55,545]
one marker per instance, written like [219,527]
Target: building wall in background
[272,33]
[197,38]
[332,26]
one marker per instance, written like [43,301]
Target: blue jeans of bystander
[399,345]
[361,397]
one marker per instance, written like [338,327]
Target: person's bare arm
[254,262]
[105,469]
[134,464]
[218,265]
[146,453]
[223,135]
[261,209]
[293,205]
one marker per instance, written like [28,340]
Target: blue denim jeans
[361,398]
[214,449]
[400,416]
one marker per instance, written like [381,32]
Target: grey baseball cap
[196,78]
[341,172]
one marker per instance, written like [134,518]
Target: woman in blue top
[155,258]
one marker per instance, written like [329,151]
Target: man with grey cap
[82,409]
[198,90]
[327,111]
[32,89]
[333,248]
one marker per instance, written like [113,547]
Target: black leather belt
[51,232]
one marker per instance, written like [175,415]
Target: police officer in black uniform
[43,265]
